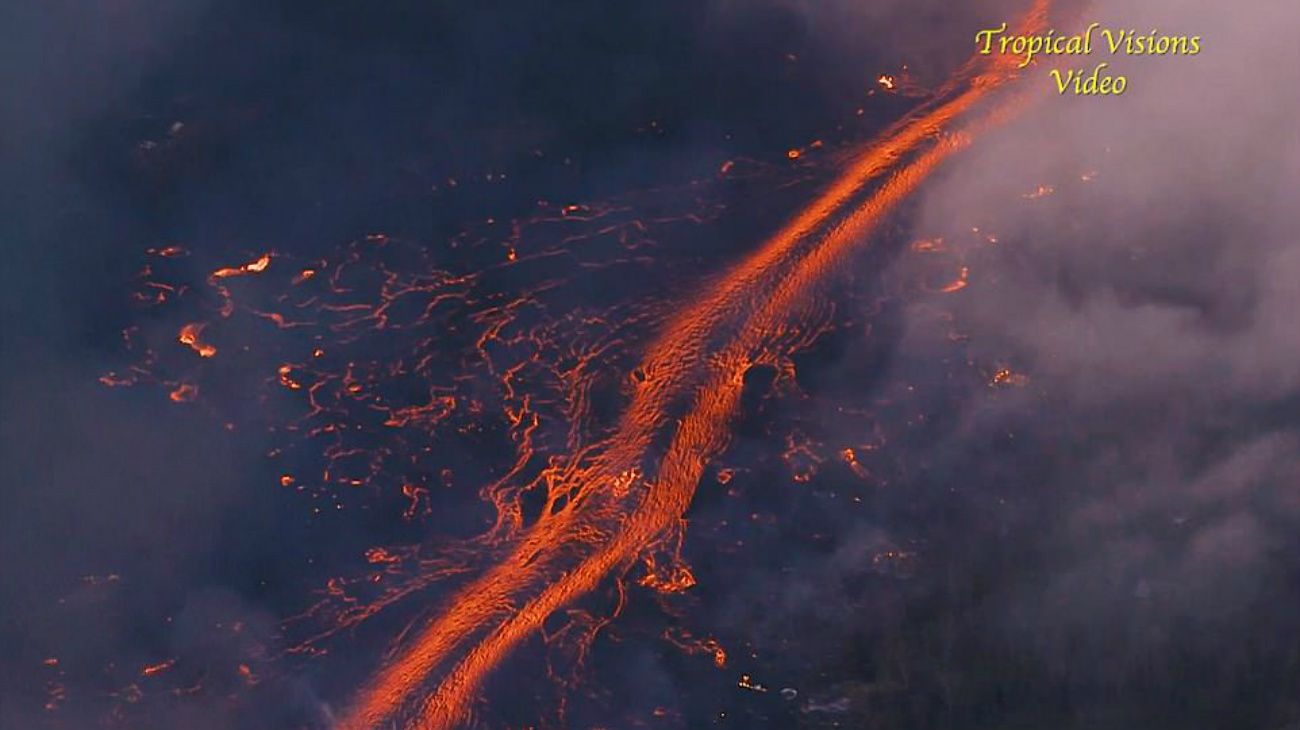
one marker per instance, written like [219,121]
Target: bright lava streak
[693,378]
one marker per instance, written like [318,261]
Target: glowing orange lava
[189,336]
[252,267]
[612,503]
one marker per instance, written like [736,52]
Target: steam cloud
[1154,307]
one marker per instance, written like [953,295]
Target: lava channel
[607,509]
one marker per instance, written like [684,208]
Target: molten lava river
[534,459]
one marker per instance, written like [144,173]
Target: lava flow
[612,502]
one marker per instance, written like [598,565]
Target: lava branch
[696,368]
